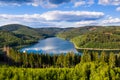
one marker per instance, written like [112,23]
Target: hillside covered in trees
[94,37]
[82,37]
[20,35]
[98,40]
[11,39]
[74,32]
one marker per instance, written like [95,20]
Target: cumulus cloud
[71,16]
[111,20]
[14,2]
[109,2]
[79,3]
[86,23]
[52,18]
[55,3]
[83,2]
[34,20]
[43,3]
[118,9]
[24,17]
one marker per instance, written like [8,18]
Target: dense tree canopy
[102,40]
[90,67]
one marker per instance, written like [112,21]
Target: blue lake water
[52,45]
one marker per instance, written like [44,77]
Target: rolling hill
[25,35]
[105,38]
[33,32]
[21,30]
[51,31]
[8,38]
[73,32]
[82,37]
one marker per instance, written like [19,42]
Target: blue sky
[60,13]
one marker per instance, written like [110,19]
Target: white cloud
[111,20]
[79,3]
[24,17]
[109,2]
[34,20]
[83,2]
[43,3]
[90,2]
[118,9]
[71,16]
[55,18]
[82,23]
[103,2]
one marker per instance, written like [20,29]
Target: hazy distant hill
[51,31]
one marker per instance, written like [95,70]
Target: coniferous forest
[90,65]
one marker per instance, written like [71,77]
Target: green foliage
[17,35]
[91,67]
[73,32]
[7,38]
[20,29]
[100,40]
[41,60]
[93,37]
[50,32]
[20,35]
[82,71]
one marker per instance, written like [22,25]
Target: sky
[60,13]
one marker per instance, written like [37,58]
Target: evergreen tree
[112,60]
[86,57]
[103,57]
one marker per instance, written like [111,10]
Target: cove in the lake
[52,45]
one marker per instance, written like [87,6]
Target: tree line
[92,66]
[32,60]
[70,59]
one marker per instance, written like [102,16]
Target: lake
[52,45]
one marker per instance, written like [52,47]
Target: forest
[98,40]
[107,37]
[88,66]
